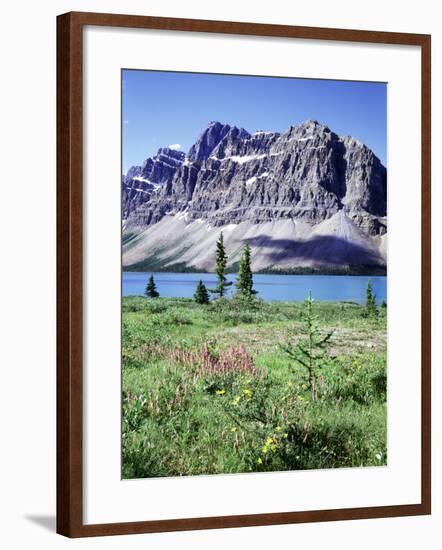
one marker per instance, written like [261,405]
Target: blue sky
[166,108]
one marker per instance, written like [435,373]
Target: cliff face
[297,184]
[141,181]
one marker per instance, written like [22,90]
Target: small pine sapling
[310,350]
[201,295]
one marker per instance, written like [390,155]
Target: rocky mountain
[303,198]
[141,181]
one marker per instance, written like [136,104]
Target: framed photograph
[243,277]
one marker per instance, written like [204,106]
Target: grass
[208,388]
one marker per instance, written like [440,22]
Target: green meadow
[241,385]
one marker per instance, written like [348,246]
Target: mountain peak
[208,140]
[215,123]
[312,126]
[310,122]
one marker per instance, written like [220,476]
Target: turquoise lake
[349,288]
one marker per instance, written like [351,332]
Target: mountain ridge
[305,181]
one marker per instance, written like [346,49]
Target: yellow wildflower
[285,435]
[278,428]
[220,392]
[248,392]
[233,429]
[259,461]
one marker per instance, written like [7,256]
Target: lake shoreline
[374,272]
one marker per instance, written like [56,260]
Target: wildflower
[248,392]
[220,392]
[278,428]
[259,461]
[233,429]
[285,435]
[236,400]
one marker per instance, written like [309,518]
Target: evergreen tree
[244,284]
[370,300]
[151,289]
[310,349]
[221,264]
[201,295]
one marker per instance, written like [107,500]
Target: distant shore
[364,271]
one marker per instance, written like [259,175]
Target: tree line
[244,282]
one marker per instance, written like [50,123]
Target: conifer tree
[244,284]
[370,300]
[310,349]
[151,289]
[201,295]
[221,264]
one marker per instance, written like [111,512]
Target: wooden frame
[70,266]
